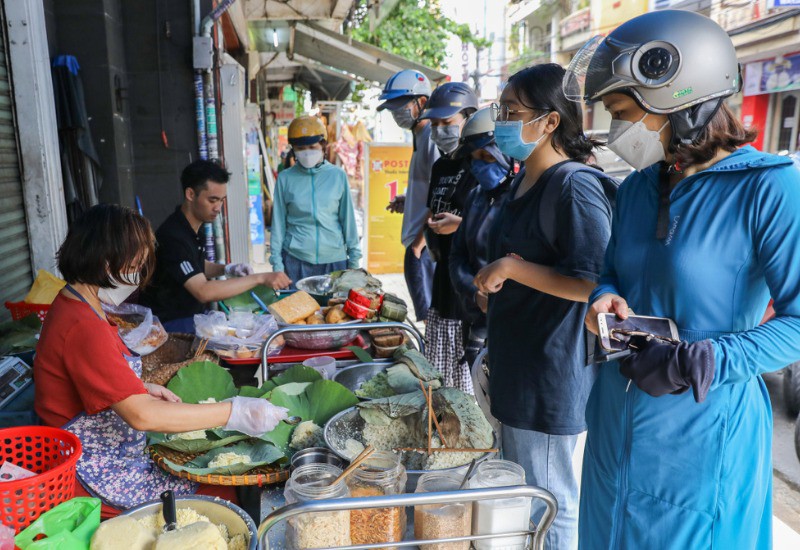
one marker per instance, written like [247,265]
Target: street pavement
[786,491]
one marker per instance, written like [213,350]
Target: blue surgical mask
[508,136]
[488,174]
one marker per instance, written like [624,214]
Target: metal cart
[263,374]
[536,534]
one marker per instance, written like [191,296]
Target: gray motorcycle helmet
[478,133]
[672,62]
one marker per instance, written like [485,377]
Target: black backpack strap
[548,207]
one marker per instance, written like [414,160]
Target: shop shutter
[15,256]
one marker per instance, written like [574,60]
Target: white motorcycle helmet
[402,87]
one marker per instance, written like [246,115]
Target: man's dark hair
[106,243]
[200,172]
[539,89]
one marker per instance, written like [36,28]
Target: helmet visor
[574,83]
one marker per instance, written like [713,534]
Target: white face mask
[120,292]
[635,143]
[309,158]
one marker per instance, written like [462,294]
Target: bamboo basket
[260,476]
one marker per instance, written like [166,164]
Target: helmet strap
[688,124]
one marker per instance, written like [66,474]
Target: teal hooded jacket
[313,217]
[667,472]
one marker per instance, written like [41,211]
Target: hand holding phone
[615,333]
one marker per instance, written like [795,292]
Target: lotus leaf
[198,381]
[213,439]
[261,453]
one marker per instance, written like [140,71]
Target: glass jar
[381,474]
[505,515]
[441,521]
[316,529]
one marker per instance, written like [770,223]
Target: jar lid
[435,481]
[498,473]
[379,467]
[315,481]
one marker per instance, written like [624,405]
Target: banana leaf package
[20,335]
[404,376]
[344,281]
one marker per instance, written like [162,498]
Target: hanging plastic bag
[68,526]
[240,336]
[141,331]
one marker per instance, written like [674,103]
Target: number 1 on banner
[392,186]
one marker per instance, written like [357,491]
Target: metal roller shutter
[15,258]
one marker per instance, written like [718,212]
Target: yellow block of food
[295,307]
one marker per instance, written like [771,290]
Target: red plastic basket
[20,310]
[50,452]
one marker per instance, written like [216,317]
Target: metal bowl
[215,509]
[316,455]
[320,287]
[353,377]
[320,339]
[348,424]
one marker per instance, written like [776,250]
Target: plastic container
[440,521]
[325,365]
[507,515]
[381,474]
[50,452]
[316,530]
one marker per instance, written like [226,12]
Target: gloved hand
[238,270]
[659,368]
[254,416]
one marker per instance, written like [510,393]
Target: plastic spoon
[168,510]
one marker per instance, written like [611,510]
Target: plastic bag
[68,526]
[141,331]
[241,336]
[45,288]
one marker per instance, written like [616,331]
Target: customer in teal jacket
[313,223]
[678,453]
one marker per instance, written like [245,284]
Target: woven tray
[160,366]
[263,475]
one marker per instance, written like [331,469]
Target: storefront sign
[387,176]
[612,13]
[783,4]
[577,22]
[773,75]
[284,112]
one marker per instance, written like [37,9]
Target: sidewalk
[786,499]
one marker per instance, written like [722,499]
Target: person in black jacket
[469,252]
[451,181]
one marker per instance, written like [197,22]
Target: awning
[323,82]
[351,56]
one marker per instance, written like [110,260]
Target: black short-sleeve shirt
[179,257]
[451,183]
[537,342]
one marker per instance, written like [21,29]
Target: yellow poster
[387,176]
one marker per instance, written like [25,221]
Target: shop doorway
[788,122]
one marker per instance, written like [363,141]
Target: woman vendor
[88,381]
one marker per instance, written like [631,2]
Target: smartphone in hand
[615,333]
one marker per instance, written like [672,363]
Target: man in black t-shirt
[182,284]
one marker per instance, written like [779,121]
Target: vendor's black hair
[539,89]
[200,172]
[106,243]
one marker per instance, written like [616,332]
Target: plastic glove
[254,416]
[659,368]
[238,270]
